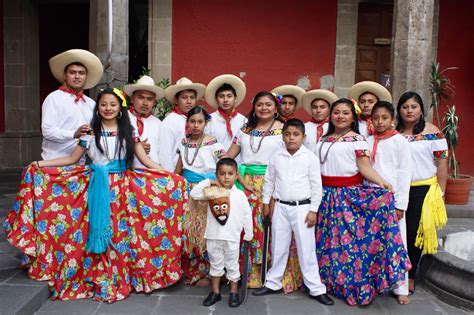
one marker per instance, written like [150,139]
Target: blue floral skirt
[358,244]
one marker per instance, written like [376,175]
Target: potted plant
[458,186]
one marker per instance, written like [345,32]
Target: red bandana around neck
[319,127]
[285,119]
[380,136]
[178,111]
[140,122]
[228,118]
[370,124]
[78,95]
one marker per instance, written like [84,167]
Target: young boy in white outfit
[293,179]
[228,213]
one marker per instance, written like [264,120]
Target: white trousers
[224,254]
[287,219]
[403,288]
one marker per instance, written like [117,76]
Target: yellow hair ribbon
[356,106]
[121,94]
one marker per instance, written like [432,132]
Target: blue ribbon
[98,202]
[193,177]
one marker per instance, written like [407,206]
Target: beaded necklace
[255,151]
[323,160]
[104,135]
[186,150]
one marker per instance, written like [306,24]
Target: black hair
[124,128]
[383,104]
[225,87]
[252,117]
[196,110]
[354,124]
[420,125]
[293,97]
[228,162]
[367,92]
[74,64]
[191,90]
[294,122]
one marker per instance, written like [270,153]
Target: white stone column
[159,38]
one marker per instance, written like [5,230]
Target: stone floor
[21,295]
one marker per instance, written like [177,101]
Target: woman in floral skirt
[104,230]
[359,246]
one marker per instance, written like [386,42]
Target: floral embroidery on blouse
[426,136]
[258,133]
[361,153]
[219,153]
[442,154]
[345,138]
[104,133]
[194,145]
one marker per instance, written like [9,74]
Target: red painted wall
[273,42]
[455,49]
[2,87]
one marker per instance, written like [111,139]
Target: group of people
[354,196]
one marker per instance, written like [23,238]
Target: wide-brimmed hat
[372,87]
[94,67]
[145,83]
[322,94]
[182,85]
[218,81]
[289,89]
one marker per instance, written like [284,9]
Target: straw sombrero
[372,87]
[294,90]
[182,85]
[145,83]
[94,67]
[310,96]
[218,81]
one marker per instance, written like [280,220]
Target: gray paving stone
[181,289]
[79,307]
[7,262]
[177,305]
[7,274]
[21,278]
[22,299]
[9,249]
[134,304]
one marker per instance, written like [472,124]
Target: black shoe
[234,299]
[265,291]
[323,299]
[212,299]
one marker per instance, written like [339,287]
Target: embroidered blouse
[342,157]
[207,157]
[271,143]
[425,149]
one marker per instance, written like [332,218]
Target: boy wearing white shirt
[228,213]
[293,179]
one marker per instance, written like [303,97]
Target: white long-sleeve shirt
[293,178]
[151,130]
[217,127]
[172,130]
[61,117]
[311,134]
[240,216]
[393,163]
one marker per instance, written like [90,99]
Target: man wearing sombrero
[317,103]
[144,94]
[225,93]
[366,94]
[183,95]
[290,101]
[67,112]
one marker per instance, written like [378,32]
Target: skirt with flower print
[49,223]
[358,243]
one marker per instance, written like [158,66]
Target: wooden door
[374,34]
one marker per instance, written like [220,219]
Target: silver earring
[276,115]
[97,114]
[119,115]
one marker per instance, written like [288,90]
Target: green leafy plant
[450,131]
[441,88]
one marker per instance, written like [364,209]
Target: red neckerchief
[140,122]
[379,136]
[78,95]
[370,124]
[284,119]
[319,126]
[228,118]
[178,111]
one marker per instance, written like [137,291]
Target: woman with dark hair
[256,142]
[102,230]
[358,242]
[429,152]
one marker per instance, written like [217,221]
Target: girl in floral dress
[102,230]
[358,243]
[256,142]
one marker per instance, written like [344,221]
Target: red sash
[342,181]
[228,118]
[78,95]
